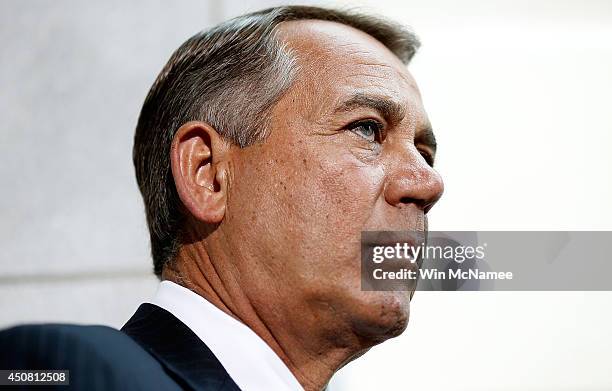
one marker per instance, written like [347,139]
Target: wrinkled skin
[273,237]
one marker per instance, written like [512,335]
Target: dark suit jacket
[153,351]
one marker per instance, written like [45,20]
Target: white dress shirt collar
[249,361]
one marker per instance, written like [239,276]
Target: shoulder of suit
[96,356]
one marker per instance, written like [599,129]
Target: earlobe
[197,162]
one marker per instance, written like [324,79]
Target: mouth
[399,240]
[391,259]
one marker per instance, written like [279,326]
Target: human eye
[370,130]
[427,156]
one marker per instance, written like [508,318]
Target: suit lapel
[178,349]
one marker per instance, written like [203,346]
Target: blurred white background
[519,93]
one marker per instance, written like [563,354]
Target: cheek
[312,204]
[349,189]
[337,195]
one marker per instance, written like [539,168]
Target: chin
[380,315]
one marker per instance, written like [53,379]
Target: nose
[414,182]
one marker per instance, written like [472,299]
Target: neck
[311,355]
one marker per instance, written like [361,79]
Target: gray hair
[230,77]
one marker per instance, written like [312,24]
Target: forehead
[337,61]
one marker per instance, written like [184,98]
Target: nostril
[410,200]
[426,205]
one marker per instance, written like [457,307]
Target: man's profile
[264,148]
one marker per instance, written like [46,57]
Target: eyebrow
[392,112]
[426,137]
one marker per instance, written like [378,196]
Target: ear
[198,161]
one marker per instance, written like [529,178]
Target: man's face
[350,150]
